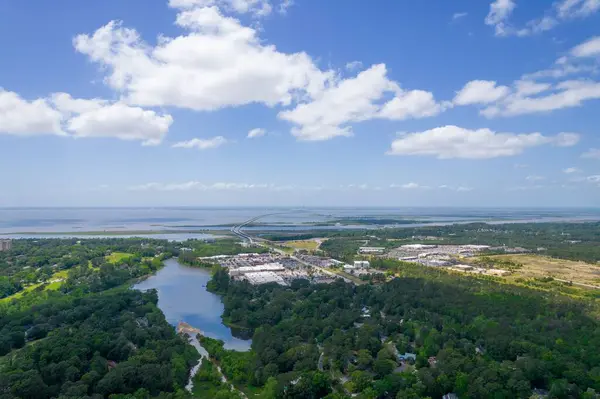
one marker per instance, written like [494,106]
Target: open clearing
[53,283]
[309,245]
[536,266]
[117,257]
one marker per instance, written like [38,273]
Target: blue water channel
[182,296]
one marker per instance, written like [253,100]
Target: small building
[371,250]
[361,264]
[416,247]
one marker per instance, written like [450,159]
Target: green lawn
[117,257]
[53,286]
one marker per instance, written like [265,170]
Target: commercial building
[362,264]
[264,278]
[5,245]
[371,250]
[267,267]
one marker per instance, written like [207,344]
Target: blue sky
[304,102]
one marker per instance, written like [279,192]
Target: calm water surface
[182,296]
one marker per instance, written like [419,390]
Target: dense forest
[35,264]
[89,335]
[110,343]
[70,327]
[471,337]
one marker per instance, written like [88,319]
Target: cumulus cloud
[218,63]
[257,132]
[354,100]
[121,121]
[592,153]
[455,142]
[22,117]
[202,144]
[64,115]
[480,92]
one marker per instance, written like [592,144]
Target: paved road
[237,230]
[576,283]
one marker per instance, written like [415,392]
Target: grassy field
[536,266]
[309,245]
[57,281]
[117,257]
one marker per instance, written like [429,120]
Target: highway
[237,230]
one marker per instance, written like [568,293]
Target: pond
[182,296]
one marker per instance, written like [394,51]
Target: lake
[182,296]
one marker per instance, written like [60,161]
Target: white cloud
[526,188]
[560,11]
[499,12]
[354,100]
[459,15]
[529,87]
[535,178]
[567,94]
[196,185]
[409,186]
[592,153]
[354,65]
[69,105]
[121,121]
[259,8]
[566,139]
[589,48]
[593,179]
[577,8]
[571,170]
[202,144]
[520,166]
[480,92]
[25,118]
[64,115]
[455,142]
[411,104]
[257,132]
[218,63]
[285,5]
[456,188]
